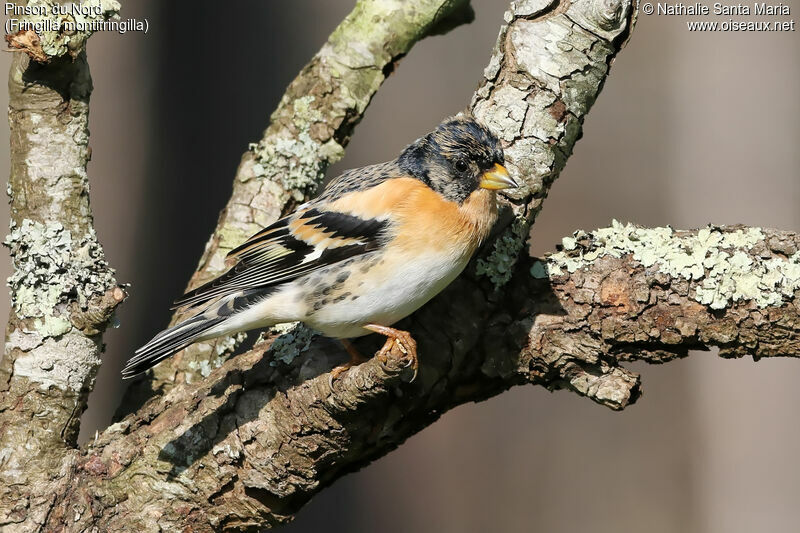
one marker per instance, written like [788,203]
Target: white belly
[387,293]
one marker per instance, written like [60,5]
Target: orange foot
[402,339]
[355,359]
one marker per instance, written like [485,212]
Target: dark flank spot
[354,298]
[318,305]
[340,298]
[341,278]
[325,301]
[327,290]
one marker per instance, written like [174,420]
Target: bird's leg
[355,359]
[404,341]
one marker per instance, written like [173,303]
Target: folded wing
[294,246]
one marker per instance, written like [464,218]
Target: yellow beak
[497,178]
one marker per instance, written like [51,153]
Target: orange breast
[423,218]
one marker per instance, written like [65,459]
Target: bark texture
[63,292]
[242,444]
[249,445]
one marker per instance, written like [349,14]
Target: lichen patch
[295,338]
[718,261]
[52,267]
[499,264]
[299,161]
[65,363]
[47,42]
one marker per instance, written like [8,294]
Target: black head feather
[452,158]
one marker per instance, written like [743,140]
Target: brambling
[372,248]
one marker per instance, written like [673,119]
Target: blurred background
[691,128]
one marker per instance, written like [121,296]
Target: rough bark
[248,445]
[63,292]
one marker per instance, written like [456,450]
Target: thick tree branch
[63,292]
[307,133]
[256,440]
[627,293]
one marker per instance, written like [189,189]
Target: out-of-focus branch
[307,133]
[248,446]
[63,292]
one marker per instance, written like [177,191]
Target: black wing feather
[274,255]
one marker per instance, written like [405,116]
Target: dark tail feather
[168,342]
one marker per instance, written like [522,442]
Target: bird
[375,245]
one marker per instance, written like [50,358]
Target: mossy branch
[258,437]
[629,293]
[63,291]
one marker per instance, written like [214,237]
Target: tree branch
[627,293]
[63,292]
[256,440]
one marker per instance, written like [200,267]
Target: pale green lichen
[300,161]
[52,326]
[51,267]
[294,339]
[499,265]
[222,346]
[715,259]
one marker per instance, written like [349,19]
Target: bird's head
[457,158]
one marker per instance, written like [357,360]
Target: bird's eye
[461,165]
